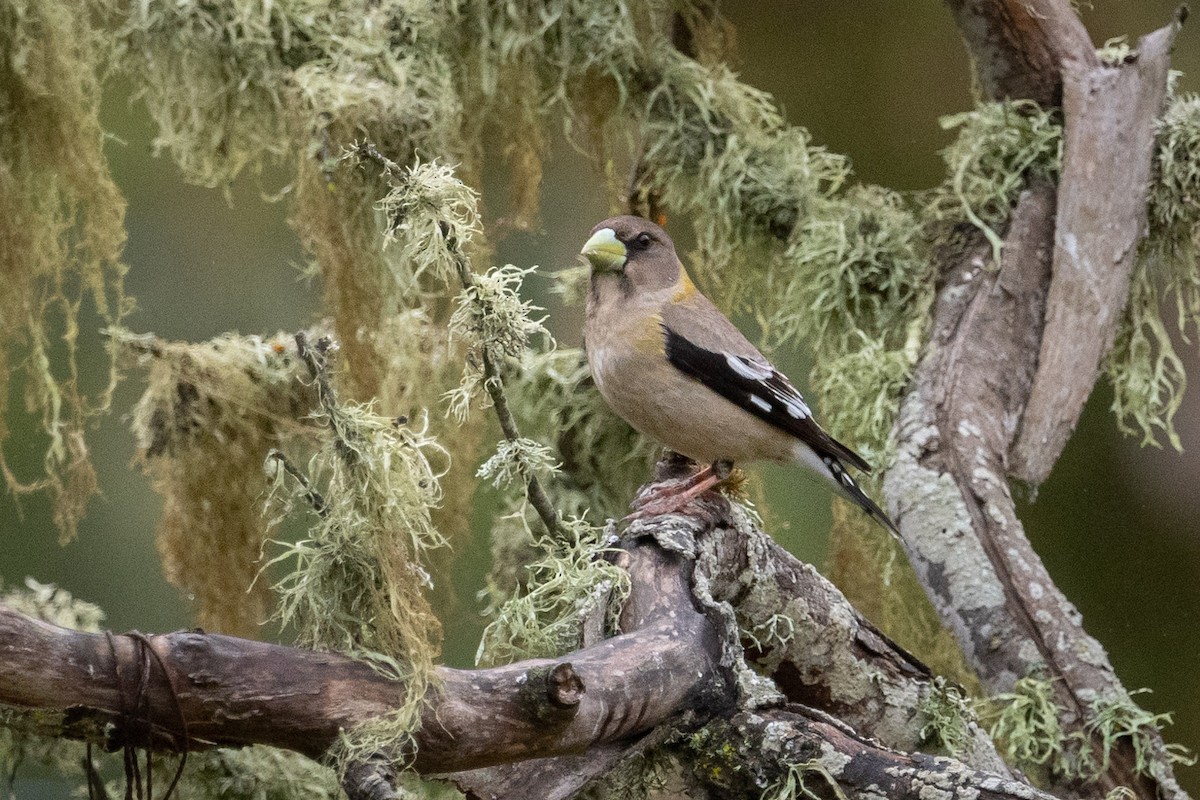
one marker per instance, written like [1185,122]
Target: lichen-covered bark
[1013,353]
[554,723]
[790,752]
[803,632]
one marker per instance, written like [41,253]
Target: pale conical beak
[604,251]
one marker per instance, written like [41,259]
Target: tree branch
[1019,47]
[1110,120]
[565,720]
[773,746]
[236,692]
[989,352]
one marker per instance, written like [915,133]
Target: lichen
[358,580]
[794,783]
[1143,366]
[1119,721]
[948,717]
[61,237]
[720,153]
[493,321]
[1025,724]
[55,605]
[569,586]
[999,149]
[209,414]
[234,84]
[254,773]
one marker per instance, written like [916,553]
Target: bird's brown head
[632,252]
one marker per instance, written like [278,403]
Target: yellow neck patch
[684,287]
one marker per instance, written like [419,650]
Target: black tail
[848,488]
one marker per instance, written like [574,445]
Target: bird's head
[636,252]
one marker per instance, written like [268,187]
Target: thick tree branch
[976,378]
[238,692]
[818,756]
[565,719]
[819,649]
[1110,114]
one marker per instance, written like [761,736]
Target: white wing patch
[797,408]
[748,369]
[785,394]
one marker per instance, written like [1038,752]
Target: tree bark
[553,723]
[1014,352]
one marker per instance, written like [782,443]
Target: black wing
[758,388]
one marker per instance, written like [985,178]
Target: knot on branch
[551,693]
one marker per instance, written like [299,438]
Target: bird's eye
[643,240]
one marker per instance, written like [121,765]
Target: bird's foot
[670,497]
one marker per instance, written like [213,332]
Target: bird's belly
[684,415]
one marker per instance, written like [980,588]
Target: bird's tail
[845,485]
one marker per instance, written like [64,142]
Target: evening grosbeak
[671,364]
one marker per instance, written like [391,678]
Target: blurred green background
[1118,525]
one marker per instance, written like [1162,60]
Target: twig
[314,498]
[494,384]
[317,361]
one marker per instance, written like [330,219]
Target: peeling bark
[1110,115]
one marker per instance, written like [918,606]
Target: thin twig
[492,381]
[494,384]
[317,360]
[311,495]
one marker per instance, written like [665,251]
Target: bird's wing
[740,374]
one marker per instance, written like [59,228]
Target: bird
[674,367]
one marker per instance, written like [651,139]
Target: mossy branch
[493,384]
[493,381]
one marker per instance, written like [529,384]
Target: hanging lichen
[210,414]
[719,152]
[61,235]
[999,149]
[1146,372]
[569,587]
[357,581]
